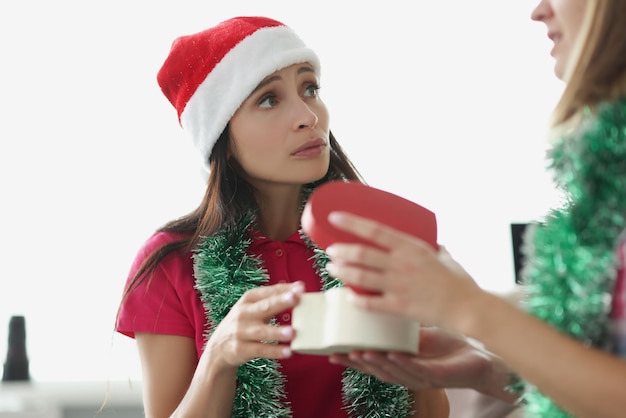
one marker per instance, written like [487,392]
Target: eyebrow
[301,70]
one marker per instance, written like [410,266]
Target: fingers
[264,292]
[355,361]
[435,341]
[376,232]
[262,304]
[247,332]
[238,351]
[388,367]
[395,245]
[357,276]
[396,368]
[365,228]
[381,296]
[259,340]
[267,333]
[344,360]
[267,301]
[273,351]
[363,255]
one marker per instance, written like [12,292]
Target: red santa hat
[209,74]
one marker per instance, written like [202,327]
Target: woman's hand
[410,278]
[246,333]
[444,360]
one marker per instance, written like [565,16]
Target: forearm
[585,381]
[431,403]
[499,377]
[210,394]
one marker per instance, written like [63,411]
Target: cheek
[246,139]
[572,15]
[323,118]
[254,151]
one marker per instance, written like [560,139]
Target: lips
[554,36]
[310,148]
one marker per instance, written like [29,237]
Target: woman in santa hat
[209,296]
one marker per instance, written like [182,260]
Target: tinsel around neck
[571,262]
[224,271]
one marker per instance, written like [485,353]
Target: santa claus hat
[209,74]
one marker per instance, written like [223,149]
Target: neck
[279,215]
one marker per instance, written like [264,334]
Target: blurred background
[443,103]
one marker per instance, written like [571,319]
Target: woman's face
[280,133]
[563,18]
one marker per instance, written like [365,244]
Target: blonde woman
[564,353]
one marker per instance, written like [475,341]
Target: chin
[314,176]
[558,72]
[560,67]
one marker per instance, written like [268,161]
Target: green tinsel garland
[571,259]
[224,272]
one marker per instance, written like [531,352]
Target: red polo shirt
[169,304]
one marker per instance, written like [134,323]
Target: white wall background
[444,103]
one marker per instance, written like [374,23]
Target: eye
[267,101]
[311,90]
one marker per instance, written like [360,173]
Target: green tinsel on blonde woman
[571,262]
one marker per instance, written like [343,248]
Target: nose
[542,11]
[305,117]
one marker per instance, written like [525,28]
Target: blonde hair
[597,68]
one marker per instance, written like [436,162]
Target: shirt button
[279,252]
[286,317]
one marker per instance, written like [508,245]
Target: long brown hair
[227,198]
[597,70]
